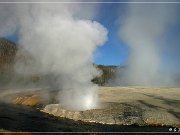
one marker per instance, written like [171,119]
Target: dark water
[26,119]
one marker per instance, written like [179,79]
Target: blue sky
[114,51]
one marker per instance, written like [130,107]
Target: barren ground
[128,106]
[135,106]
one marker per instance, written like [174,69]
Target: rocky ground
[128,106]
[25,119]
[122,109]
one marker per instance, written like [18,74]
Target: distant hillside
[8,51]
[7,54]
[108,72]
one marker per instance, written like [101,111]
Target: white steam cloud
[61,40]
[141,29]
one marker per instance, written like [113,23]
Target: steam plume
[61,40]
[141,29]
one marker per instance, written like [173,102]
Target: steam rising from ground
[142,28]
[61,40]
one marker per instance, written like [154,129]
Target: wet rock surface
[33,100]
